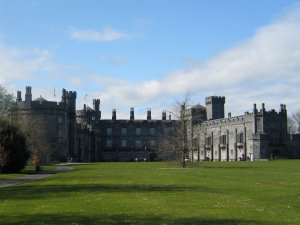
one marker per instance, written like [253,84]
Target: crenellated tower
[215,107]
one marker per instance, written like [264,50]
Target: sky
[148,54]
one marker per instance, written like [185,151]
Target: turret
[71,100]
[215,107]
[28,95]
[96,104]
[19,96]
[64,96]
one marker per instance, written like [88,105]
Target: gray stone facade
[83,136]
[54,120]
[253,136]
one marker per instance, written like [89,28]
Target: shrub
[13,149]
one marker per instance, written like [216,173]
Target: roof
[40,99]
[198,106]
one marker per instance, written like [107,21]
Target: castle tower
[70,97]
[19,96]
[96,104]
[215,107]
[28,95]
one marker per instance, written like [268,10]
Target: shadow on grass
[78,218]
[33,191]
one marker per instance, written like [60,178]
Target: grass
[159,193]
[26,171]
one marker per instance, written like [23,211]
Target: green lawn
[159,193]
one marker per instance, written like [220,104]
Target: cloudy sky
[145,54]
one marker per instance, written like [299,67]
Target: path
[19,180]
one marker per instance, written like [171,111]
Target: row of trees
[19,140]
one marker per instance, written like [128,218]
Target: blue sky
[143,54]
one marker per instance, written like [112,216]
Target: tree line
[19,140]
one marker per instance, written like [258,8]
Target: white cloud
[20,64]
[107,34]
[265,66]
[115,59]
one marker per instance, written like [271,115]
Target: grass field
[159,193]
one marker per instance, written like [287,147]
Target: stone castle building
[254,136]
[83,136]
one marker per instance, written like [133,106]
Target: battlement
[215,99]
[215,107]
[272,112]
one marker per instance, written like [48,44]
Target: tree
[13,148]
[294,123]
[178,142]
[6,103]
[37,140]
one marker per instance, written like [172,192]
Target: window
[239,138]
[123,131]
[152,131]
[138,131]
[59,120]
[223,139]
[166,130]
[208,141]
[152,143]
[201,152]
[138,144]
[109,131]
[124,143]
[109,143]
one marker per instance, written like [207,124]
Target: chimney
[170,117]
[149,114]
[281,108]
[28,95]
[164,115]
[114,114]
[229,114]
[131,113]
[254,108]
[263,107]
[19,96]
[64,96]
[84,107]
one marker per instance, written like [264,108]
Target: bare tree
[6,103]
[292,127]
[294,123]
[176,142]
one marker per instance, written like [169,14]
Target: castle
[83,136]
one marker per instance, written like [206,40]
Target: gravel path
[19,180]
